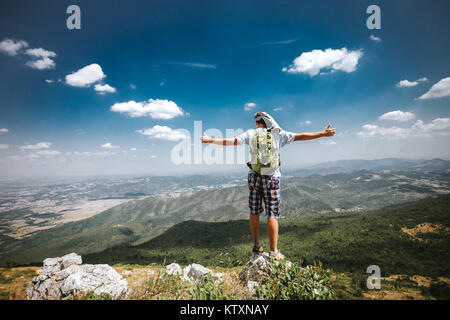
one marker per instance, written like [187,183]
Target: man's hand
[327,132]
[206,139]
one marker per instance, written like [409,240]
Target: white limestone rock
[64,277]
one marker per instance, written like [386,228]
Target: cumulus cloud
[108,145]
[163,133]
[438,90]
[153,108]
[406,83]
[12,47]
[398,115]
[43,58]
[437,127]
[37,146]
[85,76]
[41,64]
[249,106]
[314,61]
[374,38]
[104,88]
[4,130]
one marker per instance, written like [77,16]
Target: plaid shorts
[265,188]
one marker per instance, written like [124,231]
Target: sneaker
[257,250]
[277,255]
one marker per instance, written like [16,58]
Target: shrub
[4,295]
[11,264]
[292,282]
[4,279]
[208,289]
[165,286]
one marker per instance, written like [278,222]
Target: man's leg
[254,227]
[272,201]
[272,232]
[255,206]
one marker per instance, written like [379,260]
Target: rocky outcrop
[65,277]
[193,272]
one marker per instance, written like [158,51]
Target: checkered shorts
[265,188]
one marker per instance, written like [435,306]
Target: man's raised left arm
[327,132]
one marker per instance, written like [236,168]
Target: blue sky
[210,59]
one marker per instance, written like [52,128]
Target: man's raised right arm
[220,141]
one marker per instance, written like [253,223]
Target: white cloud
[163,133]
[277,109]
[374,38]
[85,76]
[37,146]
[437,127]
[41,64]
[12,47]
[103,88]
[153,156]
[314,61]
[4,146]
[249,106]
[133,86]
[306,122]
[154,108]
[40,53]
[438,90]
[108,145]
[43,58]
[398,115]
[4,130]
[132,149]
[406,84]
[49,81]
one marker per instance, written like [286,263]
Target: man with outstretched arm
[265,143]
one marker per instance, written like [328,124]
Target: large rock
[195,272]
[65,277]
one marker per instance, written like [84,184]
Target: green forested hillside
[345,242]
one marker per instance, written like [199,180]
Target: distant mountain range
[394,164]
